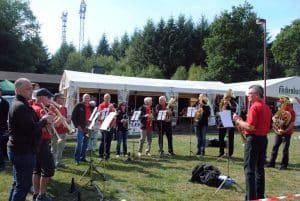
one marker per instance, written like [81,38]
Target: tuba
[170,106]
[282,118]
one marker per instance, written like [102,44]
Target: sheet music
[104,113]
[191,112]
[136,115]
[161,115]
[226,118]
[107,121]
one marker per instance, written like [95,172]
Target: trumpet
[56,107]
[54,131]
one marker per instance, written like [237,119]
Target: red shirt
[259,116]
[61,129]
[293,118]
[88,112]
[38,108]
[149,123]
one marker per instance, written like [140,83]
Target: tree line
[230,49]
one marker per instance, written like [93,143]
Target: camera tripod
[91,182]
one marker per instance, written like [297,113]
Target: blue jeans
[81,146]
[122,138]
[23,165]
[201,138]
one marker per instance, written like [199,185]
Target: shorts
[45,166]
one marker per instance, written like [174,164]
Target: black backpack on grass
[206,174]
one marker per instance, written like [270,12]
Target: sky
[115,17]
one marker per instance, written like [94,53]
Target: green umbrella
[8,88]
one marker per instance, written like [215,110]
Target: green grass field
[151,178]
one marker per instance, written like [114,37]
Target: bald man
[24,134]
[80,117]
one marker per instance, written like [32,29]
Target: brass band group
[38,125]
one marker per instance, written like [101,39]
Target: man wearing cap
[284,133]
[80,118]
[44,168]
[201,124]
[24,130]
[4,107]
[58,145]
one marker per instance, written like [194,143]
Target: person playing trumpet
[283,134]
[58,144]
[45,167]
[201,123]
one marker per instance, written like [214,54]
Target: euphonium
[282,118]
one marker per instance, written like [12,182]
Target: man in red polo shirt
[284,134]
[256,129]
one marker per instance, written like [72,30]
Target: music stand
[135,117]
[227,123]
[89,171]
[191,114]
[161,116]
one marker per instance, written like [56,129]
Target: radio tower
[64,17]
[82,18]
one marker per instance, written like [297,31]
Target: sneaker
[171,154]
[139,154]
[161,154]
[148,154]
[220,155]
[117,156]
[76,162]
[34,196]
[44,197]
[83,160]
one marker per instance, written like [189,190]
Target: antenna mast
[82,18]
[64,26]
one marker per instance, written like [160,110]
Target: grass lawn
[151,178]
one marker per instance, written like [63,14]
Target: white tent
[288,86]
[73,81]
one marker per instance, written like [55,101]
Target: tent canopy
[8,88]
[76,80]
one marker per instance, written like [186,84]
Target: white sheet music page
[107,121]
[136,115]
[191,111]
[161,115]
[226,118]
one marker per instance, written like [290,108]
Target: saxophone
[282,118]
[169,107]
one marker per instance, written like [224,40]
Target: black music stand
[191,113]
[227,122]
[135,117]
[160,117]
[91,183]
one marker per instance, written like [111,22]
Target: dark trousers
[23,165]
[285,139]
[104,148]
[254,159]
[222,134]
[122,138]
[167,129]
[3,150]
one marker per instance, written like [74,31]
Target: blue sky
[115,17]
